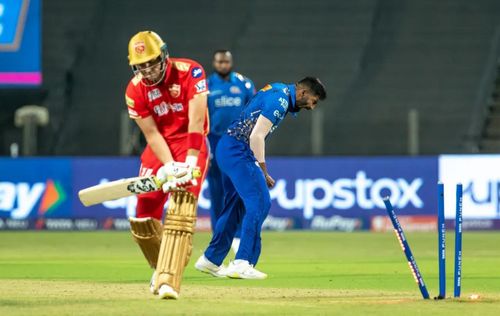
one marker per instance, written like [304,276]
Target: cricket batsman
[229,93]
[245,178]
[167,98]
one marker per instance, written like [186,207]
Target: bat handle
[196,173]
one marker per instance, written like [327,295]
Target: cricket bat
[122,188]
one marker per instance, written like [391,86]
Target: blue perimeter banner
[325,193]
[310,193]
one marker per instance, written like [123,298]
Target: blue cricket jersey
[226,100]
[273,101]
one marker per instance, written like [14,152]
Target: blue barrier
[313,193]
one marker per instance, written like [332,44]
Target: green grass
[104,273]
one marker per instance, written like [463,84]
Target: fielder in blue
[246,181]
[229,92]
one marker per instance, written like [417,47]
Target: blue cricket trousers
[246,201]
[214,178]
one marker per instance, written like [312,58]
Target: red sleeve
[197,82]
[136,103]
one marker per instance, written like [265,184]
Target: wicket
[458,242]
[406,248]
[441,244]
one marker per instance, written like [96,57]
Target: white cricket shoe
[166,292]
[204,265]
[241,269]
[235,245]
[152,283]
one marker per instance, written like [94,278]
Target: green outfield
[103,273]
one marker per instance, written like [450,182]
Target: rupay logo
[20,198]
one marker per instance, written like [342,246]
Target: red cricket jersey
[168,101]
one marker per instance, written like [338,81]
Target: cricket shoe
[166,292]
[241,269]
[204,265]
[152,283]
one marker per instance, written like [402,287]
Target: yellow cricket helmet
[144,47]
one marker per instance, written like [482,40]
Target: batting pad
[177,242]
[147,233]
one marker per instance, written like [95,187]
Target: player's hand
[269,181]
[184,178]
[176,185]
[172,170]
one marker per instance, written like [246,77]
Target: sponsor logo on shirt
[283,103]
[132,113]
[182,66]
[139,47]
[227,101]
[196,72]
[174,90]
[286,91]
[235,90]
[154,94]
[215,92]
[130,102]
[266,87]
[278,115]
[201,86]
[163,108]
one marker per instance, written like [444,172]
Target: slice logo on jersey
[201,86]
[266,87]
[174,90]
[235,89]
[154,94]
[139,47]
[196,72]
[52,197]
[163,108]
[228,101]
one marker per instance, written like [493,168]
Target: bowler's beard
[299,105]
[223,75]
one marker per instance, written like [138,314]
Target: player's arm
[197,112]
[258,145]
[155,139]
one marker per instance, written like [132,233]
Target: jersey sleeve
[135,101]
[197,82]
[249,88]
[275,108]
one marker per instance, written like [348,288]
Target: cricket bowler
[245,178]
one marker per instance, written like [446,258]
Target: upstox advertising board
[480,177]
[344,193]
[310,193]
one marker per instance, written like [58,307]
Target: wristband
[194,140]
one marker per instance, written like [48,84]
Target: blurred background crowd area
[403,77]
